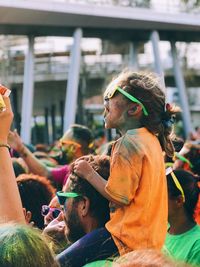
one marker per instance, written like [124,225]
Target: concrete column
[27,96]
[155,39]
[180,84]
[133,60]
[73,81]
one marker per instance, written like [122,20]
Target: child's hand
[83,169]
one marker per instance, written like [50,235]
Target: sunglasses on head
[63,196]
[54,211]
[176,181]
[110,91]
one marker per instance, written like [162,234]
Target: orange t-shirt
[137,180]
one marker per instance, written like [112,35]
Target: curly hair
[99,206]
[145,87]
[35,191]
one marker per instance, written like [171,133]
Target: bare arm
[10,202]
[32,162]
[83,169]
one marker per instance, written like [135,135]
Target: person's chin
[106,124]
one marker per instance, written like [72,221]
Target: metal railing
[47,64]
[167,6]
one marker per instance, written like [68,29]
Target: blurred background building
[57,56]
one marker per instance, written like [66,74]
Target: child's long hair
[159,121]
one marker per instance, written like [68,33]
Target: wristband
[4,145]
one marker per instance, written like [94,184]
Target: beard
[75,228]
[64,157]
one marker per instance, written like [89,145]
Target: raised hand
[6,118]
[83,169]
[15,141]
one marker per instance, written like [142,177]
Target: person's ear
[84,206]
[27,215]
[134,110]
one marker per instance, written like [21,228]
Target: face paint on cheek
[69,152]
[120,110]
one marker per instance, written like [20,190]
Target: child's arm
[10,203]
[34,165]
[83,169]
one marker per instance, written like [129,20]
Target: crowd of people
[133,201]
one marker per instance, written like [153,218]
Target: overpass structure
[52,18]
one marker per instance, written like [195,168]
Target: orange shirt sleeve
[125,173]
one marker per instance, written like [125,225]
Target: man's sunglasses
[176,181]
[54,211]
[63,196]
[110,91]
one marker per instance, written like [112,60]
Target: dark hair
[35,191]
[41,148]
[82,135]
[18,168]
[99,206]
[189,183]
[178,144]
[194,157]
[160,116]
